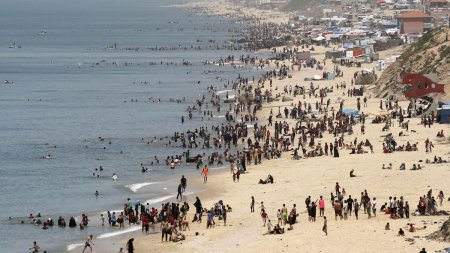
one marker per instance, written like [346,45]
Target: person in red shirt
[145,223]
[321,206]
[264,217]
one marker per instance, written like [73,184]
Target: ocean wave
[128,230]
[73,246]
[222,91]
[219,167]
[158,200]
[135,187]
[161,199]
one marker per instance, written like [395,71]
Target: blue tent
[444,113]
[350,111]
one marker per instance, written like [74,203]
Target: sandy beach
[295,180]
[316,176]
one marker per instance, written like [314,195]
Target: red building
[417,85]
[414,22]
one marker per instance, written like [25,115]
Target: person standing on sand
[224,215]
[130,246]
[284,214]
[264,217]
[164,230]
[356,208]
[252,205]
[374,207]
[180,192]
[324,228]
[183,182]
[335,152]
[321,206]
[205,172]
[198,206]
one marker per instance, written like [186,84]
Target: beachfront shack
[444,113]
[439,5]
[335,54]
[415,22]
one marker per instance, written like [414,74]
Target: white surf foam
[158,200]
[135,187]
[161,199]
[73,246]
[222,91]
[128,230]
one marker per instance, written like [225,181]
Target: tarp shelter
[319,38]
[330,75]
[348,45]
[350,111]
[303,56]
[444,114]
[354,52]
[334,54]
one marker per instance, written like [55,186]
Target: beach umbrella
[317,77]
[350,111]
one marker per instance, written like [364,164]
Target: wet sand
[316,176]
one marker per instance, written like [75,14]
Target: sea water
[79,66]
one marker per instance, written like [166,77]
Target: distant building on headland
[415,22]
[439,4]
[268,2]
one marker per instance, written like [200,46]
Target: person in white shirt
[374,207]
[269,226]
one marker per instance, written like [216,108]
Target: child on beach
[279,216]
[264,217]
[205,172]
[324,228]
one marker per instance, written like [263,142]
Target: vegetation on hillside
[429,56]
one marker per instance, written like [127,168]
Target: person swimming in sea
[49,156]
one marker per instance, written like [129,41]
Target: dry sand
[296,179]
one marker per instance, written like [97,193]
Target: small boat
[8,82]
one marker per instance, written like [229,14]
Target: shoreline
[243,223]
[107,246]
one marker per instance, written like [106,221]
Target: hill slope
[429,56]
[301,5]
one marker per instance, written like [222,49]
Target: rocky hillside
[429,56]
[443,234]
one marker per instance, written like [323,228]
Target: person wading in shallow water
[88,243]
